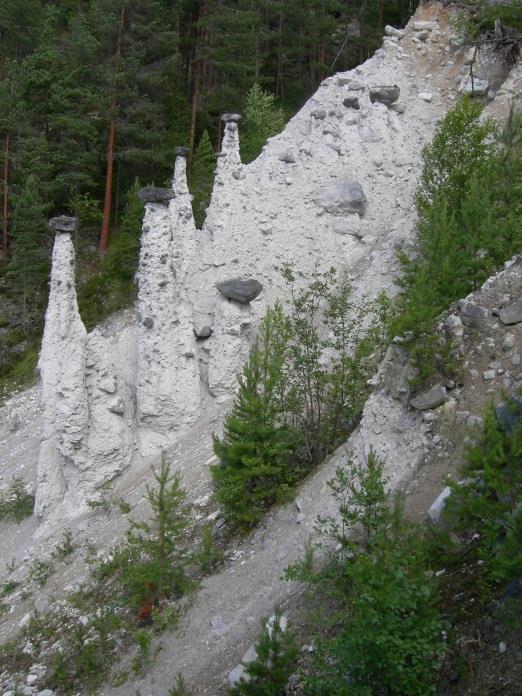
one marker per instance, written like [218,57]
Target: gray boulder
[351,101]
[432,398]
[63,224]
[155,194]
[512,314]
[475,88]
[509,414]
[341,197]
[474,316]
[243,291]
[385,94]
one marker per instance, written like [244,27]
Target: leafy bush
[300,395]
[276,658]
[15,503]
[384,631]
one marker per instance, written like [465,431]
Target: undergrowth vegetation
[15,502]
[139,589]
[469,222]
[300,395]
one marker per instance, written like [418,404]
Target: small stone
[508,342]
[424,26]
[240,290]
[489,374]
[502,647]
[433,398]
[438,505]
[108,385]
[392,31]
[117,406]
[288,156]
[512,314]
[32,679]
[148,323]
[398,107]
[515,359]
[355,86]
[474,421]
[319,114]
[426,96]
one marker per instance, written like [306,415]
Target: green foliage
[29,265]
[276,659]
[488,502]
[479,17]
[384,632]
[469,224]
[65,548]
[180,688]
[40,571]
[155,560]
[254,469]
[300,395]
[262,119]
[112,287]
[15,503]
[201,179]
[360,493]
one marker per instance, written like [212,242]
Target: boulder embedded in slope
[432,398]
[512,314]
[341,197]
[385,94]
[240,290]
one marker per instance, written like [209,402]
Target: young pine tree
[157,560]
[277,654]
[255,466]
[202,178]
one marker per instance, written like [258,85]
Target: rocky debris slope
[355,141]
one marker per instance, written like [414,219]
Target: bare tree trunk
[5,206]
[104,239]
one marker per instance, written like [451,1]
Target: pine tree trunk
[104,239]
[5,206]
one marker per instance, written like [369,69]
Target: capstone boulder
[385,94]
[240,290]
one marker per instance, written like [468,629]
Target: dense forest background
[95,95]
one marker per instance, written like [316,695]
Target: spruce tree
[255,452]
[201,179]
[29,264]
[263,119]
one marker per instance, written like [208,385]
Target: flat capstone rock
[385,94]
[512,314]
[432,398]
[155,194]
[243,291]
[63,224]
[181,151]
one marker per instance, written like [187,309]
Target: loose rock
[243,291]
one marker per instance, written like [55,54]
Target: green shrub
[263,119]
[384,634]
[255,467]
[15,503]
[488,502]
[276,659]
[470,221]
